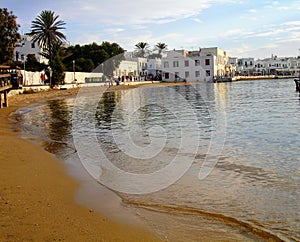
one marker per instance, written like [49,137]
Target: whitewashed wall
[80,76]
[34,78]
[127,67]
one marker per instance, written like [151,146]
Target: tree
[154,55]
[9,35]
[141,49]
[91,57]
[115,56]
[58,74]
[57,65]
[45,30]
[161,47]
[112,49]
[32,64]
[85,65]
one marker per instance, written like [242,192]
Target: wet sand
[37,196]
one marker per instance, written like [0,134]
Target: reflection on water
[106,108]
[60,119]
[51,122]
[132,122]
[254,187]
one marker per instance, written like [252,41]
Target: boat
[222,79]
[297,82]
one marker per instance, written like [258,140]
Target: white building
[202,65]
[245,66]
[221,59]
[25,47]
[277,66]
[142,66]
[141,63]
[233,62]
[154,66]
[127,69]
[294,65]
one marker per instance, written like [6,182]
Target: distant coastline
[243,78]
[252,78]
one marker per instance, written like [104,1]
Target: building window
[197,62]
[186,63]
[167,75]
[175,64]
[208,73]
[32,45]
[197,73]
[207,62]
[186,74]
[166,64]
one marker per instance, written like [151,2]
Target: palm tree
[142,48]
[45,30]
[161,47]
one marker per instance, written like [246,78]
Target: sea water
[251,128]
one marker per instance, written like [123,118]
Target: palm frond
[45,29]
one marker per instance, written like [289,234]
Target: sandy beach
[37,196]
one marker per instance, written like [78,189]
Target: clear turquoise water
[255,184]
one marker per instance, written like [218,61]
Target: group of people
[109,81]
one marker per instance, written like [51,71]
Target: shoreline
[38,195]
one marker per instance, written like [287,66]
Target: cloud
[275,3]
[291,23]
[120,12]
[270,33]
[283,30]
[236,32]
[113,30]
[252,11]
[176,23]
[284,47]
[284,8]
[240,51]
[150,37]
[88,38]
[197,20]
[138,27]
[241,2]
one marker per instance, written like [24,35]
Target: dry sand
[37,196]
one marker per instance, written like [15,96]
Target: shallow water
[253,126]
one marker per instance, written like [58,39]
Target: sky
[242,28]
